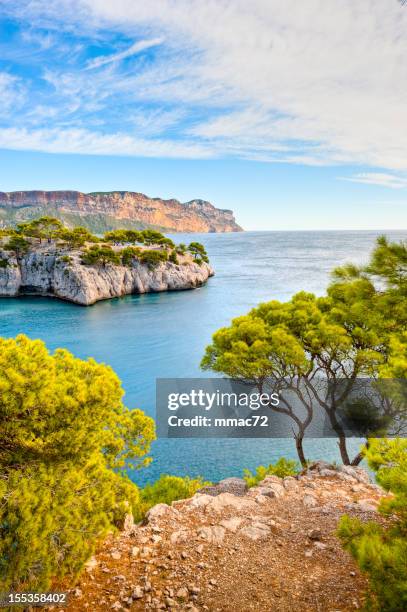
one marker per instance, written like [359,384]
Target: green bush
[76,237]
[181,248]
[282,468]
[3,263]
[129,254]
[100,255]
[122,236]
[167,489]
[153,258]
[65,435]
[173,258]
[381,551]
[18,244]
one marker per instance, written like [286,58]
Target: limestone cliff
[102,211]
[48,272]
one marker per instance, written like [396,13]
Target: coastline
[49,272]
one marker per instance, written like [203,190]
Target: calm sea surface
[165,334]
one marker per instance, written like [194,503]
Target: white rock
[227,500]
[213,534]
[328,473]
[199,500]
[257,531]
[182,535]
[231,524]
[183,593]
[270,480]
[91,564]
[366,505]
[290,483]
[309,501]
[160,510]
[115,555]
[138,592]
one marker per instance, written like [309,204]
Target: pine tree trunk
[343,450]
[300,450]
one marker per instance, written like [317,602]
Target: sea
[164,335]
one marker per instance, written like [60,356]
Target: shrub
[3,263]
[76,237]
[381,551]
[65,259]
[167,242]
[102,255]
[124,236]
[129,254]
[181,248]
[6,231]
[18,244]
[173,258]
[65,434]
[166,490]
[153,258]
[282,468]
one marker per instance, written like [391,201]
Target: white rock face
[46,272]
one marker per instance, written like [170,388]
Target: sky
[292,114]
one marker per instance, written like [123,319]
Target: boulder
[213,534]
[236,486]
[228,500]
[367,505]
[182,535]
[309,501]
[231,524]
[160,510]
[256,531]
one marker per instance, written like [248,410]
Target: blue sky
[292,114]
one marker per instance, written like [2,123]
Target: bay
[164,334]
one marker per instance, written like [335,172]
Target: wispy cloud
[137,47]
[12,93]
[379,178]
[307,83]
[84,141]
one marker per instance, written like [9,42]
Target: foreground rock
[47,271]
[263,550]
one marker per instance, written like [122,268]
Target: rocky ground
[272,547]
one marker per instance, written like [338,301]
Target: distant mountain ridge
[102,211]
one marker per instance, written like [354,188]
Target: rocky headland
[49,271]
[230,548]
[103,211]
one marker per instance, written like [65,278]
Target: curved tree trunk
[299,438]
[342,448]
[358,458]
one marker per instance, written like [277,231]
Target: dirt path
[273,549]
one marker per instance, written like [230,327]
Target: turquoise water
[164,334]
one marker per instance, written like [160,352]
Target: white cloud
[379,178]
[11,93]
[84,141]
[138,47]
[304,82]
